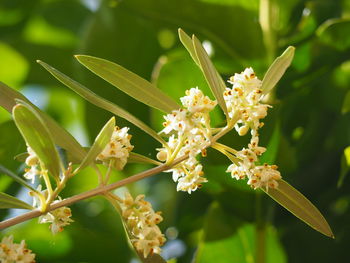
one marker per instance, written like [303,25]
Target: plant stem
[100,190]
[260,230]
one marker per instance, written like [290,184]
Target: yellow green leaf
[100,143]
[277,69]
[8,201]
[139,158]
[187,42]
[15,177]
[61,137]
[100,102]
[130,83]
[38,137]
[296,203]
[216,84]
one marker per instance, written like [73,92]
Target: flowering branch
[100,190]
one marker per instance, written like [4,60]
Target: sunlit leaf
[16,178]
[345,166]
[188,44]
[37,137]
[277,69]
[129,82]
[8,201]
[346,103]
[61,137]
[300,206]
[100,143]
[216,84]
[98,101]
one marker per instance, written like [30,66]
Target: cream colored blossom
[195,101]
[33,162]
[58,218]
[117,149]
[15,253]
[243,101]
[191,180]
[265,176]
[190,135]
[141,222]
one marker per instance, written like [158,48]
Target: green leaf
[345,166]
[336,33]
[8,201]
[228,239]
[61,137]
[216,84]
[100,143]
[16,178]
[37,137]
[130,83]
[300,206]
[277,69]
[188,44]
[139,158]
[346,103]
[98,101]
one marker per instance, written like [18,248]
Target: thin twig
[94,192]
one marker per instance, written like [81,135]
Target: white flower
[15,253]
[141,221]
[237,171]
[243,101]
[195,101]
[33,162]
[58,218]
[177,120]
[117,149]
[265,176]
[191,180]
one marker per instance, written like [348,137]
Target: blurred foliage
[307,130]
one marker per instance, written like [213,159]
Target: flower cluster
[15,253]
[33,162]
[243,103]
[258,176]
[190,134]
[141,222]
[117,149]
[58,218]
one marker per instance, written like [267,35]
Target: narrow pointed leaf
[344,166]
[188,44]
[100,143]
[37,137]
[277,69]
[61,137]
[130,83]
[98,101]
[296,203]
[139,158]
[216,84]
[8,201]
[16,178]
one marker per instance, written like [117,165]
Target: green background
[306,131]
